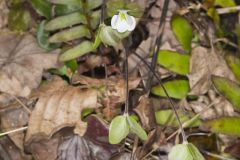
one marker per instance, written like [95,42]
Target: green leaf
[97,40]
[183,31]
[68,2]
[70,34]
[86,112]
[118,129]
[229,89]
[134,10]
[234,64]
[72,19]
[65,21]
[110,36]
[42,38]
[18,19]
[136,128]
[72,64]
[212,12]
[174,61]
[224,125]
[77,51]
[185,152]
[42,7]
[113,6]
[225,3]
[91,4]
[176,89]
[167,117]
[61,9]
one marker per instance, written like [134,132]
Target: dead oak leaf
[204,63]
[60,108]
[22,62]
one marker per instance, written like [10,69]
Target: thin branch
[21,103]
[13,131]
[228,10]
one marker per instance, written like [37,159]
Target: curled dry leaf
[146,113]
[203,64]
[22,63]
[60,108]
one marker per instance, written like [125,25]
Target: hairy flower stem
[103,11]
[168,97]
[126,109]
[158,42]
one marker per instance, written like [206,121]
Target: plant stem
[158,42]
[103,11]
[168,97]
[126,109]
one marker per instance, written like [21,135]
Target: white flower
[123,22]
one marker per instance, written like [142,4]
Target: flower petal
[122,26]
[131,23]
[114,21]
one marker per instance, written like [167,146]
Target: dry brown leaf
[146,113]
[221,107]
[115,85]
[3,13]
[22,63]
[204,63]
[8,151]
[60,108]
[12,119]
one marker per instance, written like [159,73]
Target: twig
[218,156]
[22,104]
[13,131]
[228,10]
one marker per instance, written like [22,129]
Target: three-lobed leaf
[174,61]
[176,89]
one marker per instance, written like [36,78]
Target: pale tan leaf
[22,63]
[204,63]
[3,13]
[12,119]
[60,108]
[115,85]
